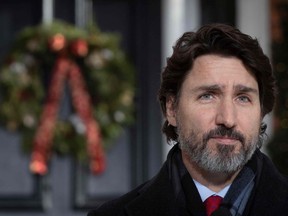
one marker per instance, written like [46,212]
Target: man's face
[218,114]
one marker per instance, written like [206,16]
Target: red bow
[66,69]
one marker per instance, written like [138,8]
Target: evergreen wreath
[101,87]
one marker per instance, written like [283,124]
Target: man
[216,89]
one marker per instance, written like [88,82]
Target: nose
[226,114]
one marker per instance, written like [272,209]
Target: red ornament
[79,48]
[39,167]
[57,42]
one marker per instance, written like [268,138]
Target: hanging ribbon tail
[45,132]
[83,106]
[94,148]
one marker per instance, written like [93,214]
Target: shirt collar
[206,192]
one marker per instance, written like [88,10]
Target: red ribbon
[66,69]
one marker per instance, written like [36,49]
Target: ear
[170,111]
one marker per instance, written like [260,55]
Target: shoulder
[271,196]
[270,173]
[152,188]
[115,207]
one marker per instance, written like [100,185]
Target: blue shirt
[206,192]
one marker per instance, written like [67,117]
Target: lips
[225,140]
[221,134]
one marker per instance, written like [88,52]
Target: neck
[214,181]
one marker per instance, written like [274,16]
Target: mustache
[223,131]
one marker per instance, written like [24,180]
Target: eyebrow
[245,89]
[207,88]
[239,88]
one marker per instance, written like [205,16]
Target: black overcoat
[156,197]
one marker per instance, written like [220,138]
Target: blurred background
[146,31]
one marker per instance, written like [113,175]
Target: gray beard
[224,161]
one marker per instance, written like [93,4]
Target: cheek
[250,123]
[197,120]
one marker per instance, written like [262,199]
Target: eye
[206,96]
[244,99]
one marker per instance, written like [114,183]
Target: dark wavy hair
[222,40]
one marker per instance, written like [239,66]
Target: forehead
[219,70]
